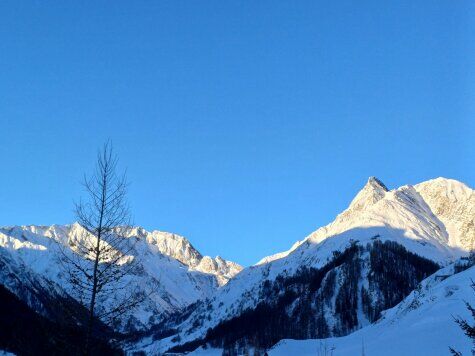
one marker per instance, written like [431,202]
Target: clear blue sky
[244,125]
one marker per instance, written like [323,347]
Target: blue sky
[243,125]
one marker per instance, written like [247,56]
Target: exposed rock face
[181,249]
[454,204]
[372,192]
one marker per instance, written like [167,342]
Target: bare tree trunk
[90,322]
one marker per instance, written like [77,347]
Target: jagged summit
[377,183]
[372,192]
[180,248]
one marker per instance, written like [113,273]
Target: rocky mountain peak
[372,192]
[376,183]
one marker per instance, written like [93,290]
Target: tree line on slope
[25,332]
[322,302]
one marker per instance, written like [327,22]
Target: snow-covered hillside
[421,325]
[338,279]
[430,228]
[177,273]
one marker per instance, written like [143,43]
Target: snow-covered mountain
[421,325]
[169,265]
[337,280]
[412,227]
[440,212]
[180,249]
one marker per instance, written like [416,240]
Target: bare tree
[98,259]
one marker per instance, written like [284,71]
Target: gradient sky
[244,125]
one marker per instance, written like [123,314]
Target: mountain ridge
[372,192]
[400,215]
[433,220]
[35,249]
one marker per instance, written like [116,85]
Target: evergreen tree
[469,330]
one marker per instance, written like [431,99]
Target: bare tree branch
[98,257]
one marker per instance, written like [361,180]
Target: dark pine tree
[467,328]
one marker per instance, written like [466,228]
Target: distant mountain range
[343,277]
[169,263]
